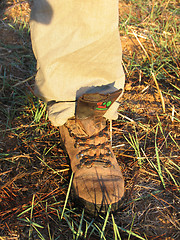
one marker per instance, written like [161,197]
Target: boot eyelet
[79,166]
[89,165]
[110,154]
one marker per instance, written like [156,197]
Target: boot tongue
[95,104]
[91,126]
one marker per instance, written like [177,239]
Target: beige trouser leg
[78,50]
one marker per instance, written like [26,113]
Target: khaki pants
[78,50]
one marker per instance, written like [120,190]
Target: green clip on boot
[98,180]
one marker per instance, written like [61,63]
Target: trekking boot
[98,180]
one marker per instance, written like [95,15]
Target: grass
[35,180]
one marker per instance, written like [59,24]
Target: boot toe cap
[97,193]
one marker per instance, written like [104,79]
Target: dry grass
[34,171]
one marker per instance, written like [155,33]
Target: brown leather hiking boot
[98,179]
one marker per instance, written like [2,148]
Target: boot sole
[92,208]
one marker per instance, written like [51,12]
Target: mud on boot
[98,180]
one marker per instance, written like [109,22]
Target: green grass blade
[38,232]
[32,207]
[25,211]
[49,167]
[131,226]
[105,222]
[100,231]
[67,195]
[174,164]
[161,129]
[115,228]
[174,141]
[79,233]
[158,159]
[177,185]
[175,86]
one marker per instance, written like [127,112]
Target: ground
[34,170]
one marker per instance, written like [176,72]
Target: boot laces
[85,142]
